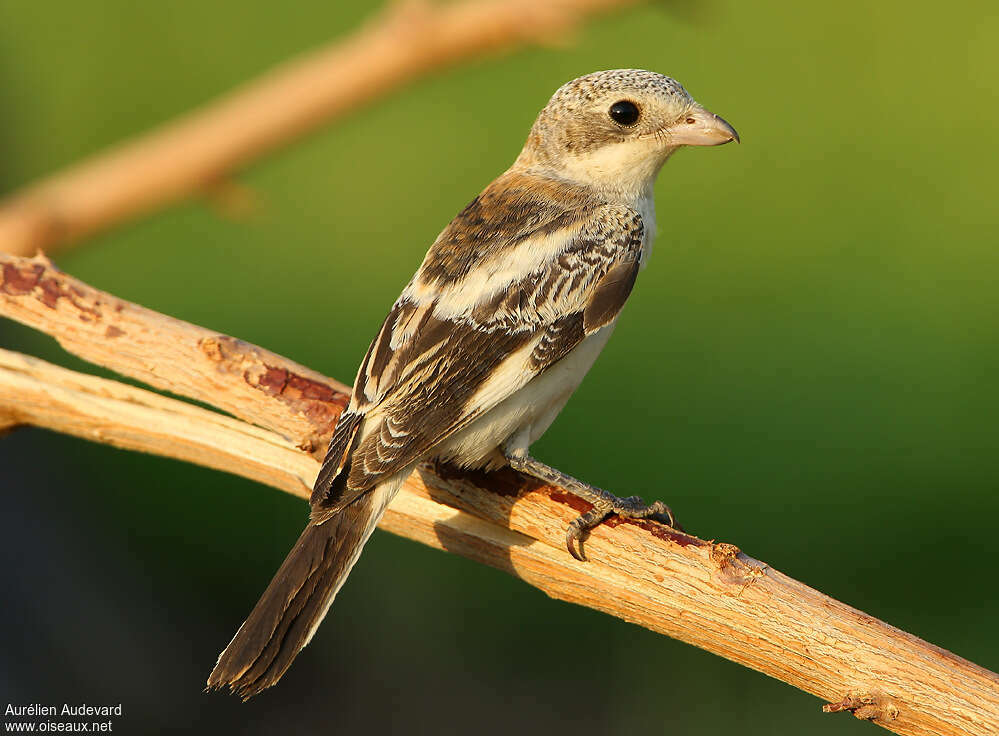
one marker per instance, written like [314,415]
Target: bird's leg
[604,503]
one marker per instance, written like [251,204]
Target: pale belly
[524,416]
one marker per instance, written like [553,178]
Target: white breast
[524,416]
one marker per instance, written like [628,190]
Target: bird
[495,331]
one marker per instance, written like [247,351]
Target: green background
[808,367]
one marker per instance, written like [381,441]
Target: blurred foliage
[808,368]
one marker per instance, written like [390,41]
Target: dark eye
[624,112]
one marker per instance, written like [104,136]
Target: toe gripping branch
[604,503]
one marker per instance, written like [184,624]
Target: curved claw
[628,508]
[574,533]
[580,526]
[569,537]
[658,507]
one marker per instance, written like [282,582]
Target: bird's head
[614,130]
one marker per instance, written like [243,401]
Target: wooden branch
[409,39]
[171,354]
[38,393]
[705,593]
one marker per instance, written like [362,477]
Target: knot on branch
[734,567]
[867,706]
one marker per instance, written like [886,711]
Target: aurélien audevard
[66,709]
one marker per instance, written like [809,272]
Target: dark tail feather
[297,599]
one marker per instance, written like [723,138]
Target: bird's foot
[604,503]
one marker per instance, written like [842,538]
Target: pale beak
[701,128]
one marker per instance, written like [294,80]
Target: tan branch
[171,354]
[409,39]
[705,593]
[37,393]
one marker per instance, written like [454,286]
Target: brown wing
[425,375]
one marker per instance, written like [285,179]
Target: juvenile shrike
[502,320]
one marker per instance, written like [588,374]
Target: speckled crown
[583,90]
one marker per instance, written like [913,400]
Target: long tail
[297,599]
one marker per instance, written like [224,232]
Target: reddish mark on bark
[23,281]
[272,381]
[667,533]
[279,382]
[112,332]
[502,482]
[656,528]
[304,388]
[318,401]
[322,403]
[572,501]
[17,281]
[50,293]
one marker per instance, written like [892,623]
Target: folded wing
[453,347]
